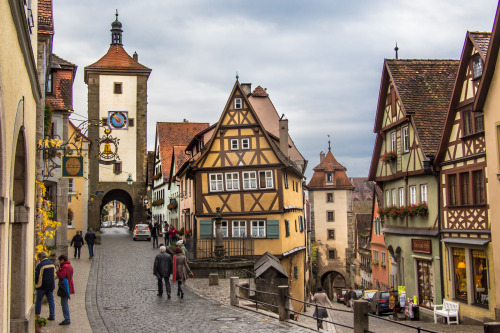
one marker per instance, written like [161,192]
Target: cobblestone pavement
[121,297]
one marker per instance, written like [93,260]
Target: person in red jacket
[65,271]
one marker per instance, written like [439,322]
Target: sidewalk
[79,319]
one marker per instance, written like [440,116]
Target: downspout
[441,261]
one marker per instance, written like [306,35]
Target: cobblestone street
[121,297]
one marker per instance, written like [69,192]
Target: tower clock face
[118,119]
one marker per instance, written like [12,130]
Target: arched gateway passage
[332,282]
[123,197]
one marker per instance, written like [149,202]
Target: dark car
[341,296]
[380,302]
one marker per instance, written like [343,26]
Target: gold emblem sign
[72,166]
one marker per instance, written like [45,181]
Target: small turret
[116,31]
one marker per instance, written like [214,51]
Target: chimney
[321,157]
[284,135]
[247,88]
[136,57]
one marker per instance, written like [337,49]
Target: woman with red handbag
[181,270]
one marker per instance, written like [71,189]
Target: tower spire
[116,31]
[396,49]
[329,148]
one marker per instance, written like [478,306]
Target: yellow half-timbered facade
[241,170]
[465,222]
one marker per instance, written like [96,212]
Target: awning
[466,241]
[411,232]
[287,253]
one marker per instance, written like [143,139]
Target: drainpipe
[441,261]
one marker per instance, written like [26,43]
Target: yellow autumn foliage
[46,228]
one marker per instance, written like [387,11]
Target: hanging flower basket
[389,157]
[157,176]
[172,206]
[71,214]
[188,233]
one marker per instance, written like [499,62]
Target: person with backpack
[66,287]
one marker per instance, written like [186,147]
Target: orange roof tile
[259,92]
[330,164]
[45,18]
[174,134]
[482,41]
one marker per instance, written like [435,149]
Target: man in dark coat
[162,269]
[90,238]
[154,233]
[77,242]
[45,284]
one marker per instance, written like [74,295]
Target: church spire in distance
[116,31]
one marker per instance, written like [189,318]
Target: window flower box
[157,176]
[389,157]
[158,202]
[374,262]
[172,205]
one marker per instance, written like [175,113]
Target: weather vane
[329,148]
[237,76]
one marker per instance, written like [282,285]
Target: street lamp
[129,179]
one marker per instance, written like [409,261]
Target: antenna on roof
[329,148]
[396,49]
[237,76]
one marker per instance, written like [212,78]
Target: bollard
[213,279]
[492,327]
[283,303]
[360,316]
[234,290]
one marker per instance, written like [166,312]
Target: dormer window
[238,104]
[477,67]
[329,177]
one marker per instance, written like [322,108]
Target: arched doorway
[18,235]
[120,196]
[332,282]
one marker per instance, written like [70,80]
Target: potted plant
[39,323]
[374,262]
[388,157]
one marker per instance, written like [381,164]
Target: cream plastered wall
[492,137]
[14,85]
[127,101]
[321,225]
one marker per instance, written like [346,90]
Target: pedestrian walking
[320,298]
[181,270]
[77,242]
[352,297]
[162,269]
[45,284]
[172,234]
[165,233]
[154,234]
[90,238]
[65,275]
[180,244]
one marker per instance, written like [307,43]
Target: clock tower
[117,97]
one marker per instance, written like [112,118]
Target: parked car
[341,296]
[359,295]
[368,294]
[141,231]
[105,224]
[119,224]
[380,302]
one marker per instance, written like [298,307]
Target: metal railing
[418,328]
[234,248]
[257,302]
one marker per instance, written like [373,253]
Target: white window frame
[401,197]
[238,103]
[423,193]
[393,197]
[413,195]
[393,141]
[224,229]
[375,255]
[219,183]
[232,181]
[251,180]
[234,144]
[71,186]
[245,143]
[406,139]
[269,181]
[239,225]
[387,198]
[260,228]
[382,257]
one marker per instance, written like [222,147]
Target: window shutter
[301,224]
[205,228]
[273,229]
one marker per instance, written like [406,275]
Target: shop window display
[460,274]
[479,265]
[425,284]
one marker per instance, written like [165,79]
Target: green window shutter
[205,228]
[287,228]
[273,229]
[301,224]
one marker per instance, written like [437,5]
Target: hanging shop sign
[421,246]
[72,166]
[108,148]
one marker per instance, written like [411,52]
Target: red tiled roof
[425,88]
[174,134]
[329,164]
[58,61]
[180,156]
[259,92]
[482,41]
[117,59]
[45,19]
[63,76]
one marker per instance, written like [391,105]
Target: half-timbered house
[465,224]
[410,116]
[246,173]
[488,100]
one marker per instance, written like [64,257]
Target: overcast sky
[321,61]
